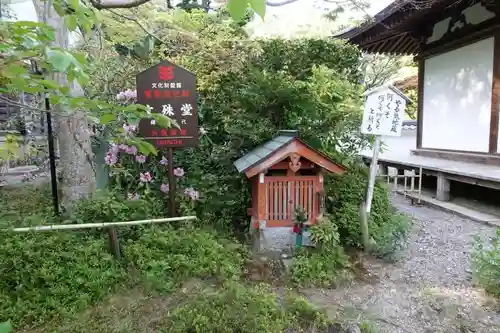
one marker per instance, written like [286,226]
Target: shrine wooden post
[170,90]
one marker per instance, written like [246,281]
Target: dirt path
[430,290]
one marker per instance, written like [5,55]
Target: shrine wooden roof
[398,29]
[279,148]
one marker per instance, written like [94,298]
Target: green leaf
[259,6]
[145,147]
[107,118]
[161,120]
[80,57]
[82,78]
[59,60]
[71,22]
[237,8]
[5,327]
[50,84]
[14,70]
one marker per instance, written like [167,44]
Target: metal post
[373,174]
[50,139]
[52,157]
[171,183]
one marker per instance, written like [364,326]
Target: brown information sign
[171,90]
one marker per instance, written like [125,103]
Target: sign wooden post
[383,116]
[170,90]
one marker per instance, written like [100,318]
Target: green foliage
[319,268]
[248,91]
[17,211]
[47,275]
[237,308]
[299,216]
[389,229]
[391,237]
[486,262]
[243,107]
[53,274]
[113,207]
[325,265]
[5,327]
[26,40]
[411,109]
[168,257]
[324,234]
[237,8]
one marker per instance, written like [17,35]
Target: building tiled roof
[410,82]
[262,152]
[395,29]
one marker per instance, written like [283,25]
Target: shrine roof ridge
[286,143]
[263,151]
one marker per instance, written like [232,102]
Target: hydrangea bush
[138,175]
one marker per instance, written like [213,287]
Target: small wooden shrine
[285,173]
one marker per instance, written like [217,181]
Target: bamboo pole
[100,225]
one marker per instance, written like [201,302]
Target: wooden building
[457,47]
[285,173]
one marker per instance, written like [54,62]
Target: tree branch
[21,105]
[113,4]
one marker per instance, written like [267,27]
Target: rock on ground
[429,290]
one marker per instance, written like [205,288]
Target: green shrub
[389,229]
[325,265]
[391,237]
[239,308]
[44,275]
[113,207]
[5,327]
[17,211]
[170,256]
[486,262]
[319,268]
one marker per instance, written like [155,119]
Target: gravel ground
[429,290]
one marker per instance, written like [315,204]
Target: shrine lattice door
[283,194]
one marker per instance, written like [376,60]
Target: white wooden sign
[383,115]
[384,111]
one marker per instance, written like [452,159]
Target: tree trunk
[74,142]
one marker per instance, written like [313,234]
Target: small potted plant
[299,222]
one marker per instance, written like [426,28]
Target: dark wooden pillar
[420,102]
[495,96]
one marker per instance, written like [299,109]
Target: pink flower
[132,150]
[129,129]
[192,193]
[164,188]
[145,177]
[179,172]
[127,95]
[164,161]
[114,149]
[140,159]
[123,147]
[110,158]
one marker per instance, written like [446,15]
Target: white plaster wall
[457,98]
